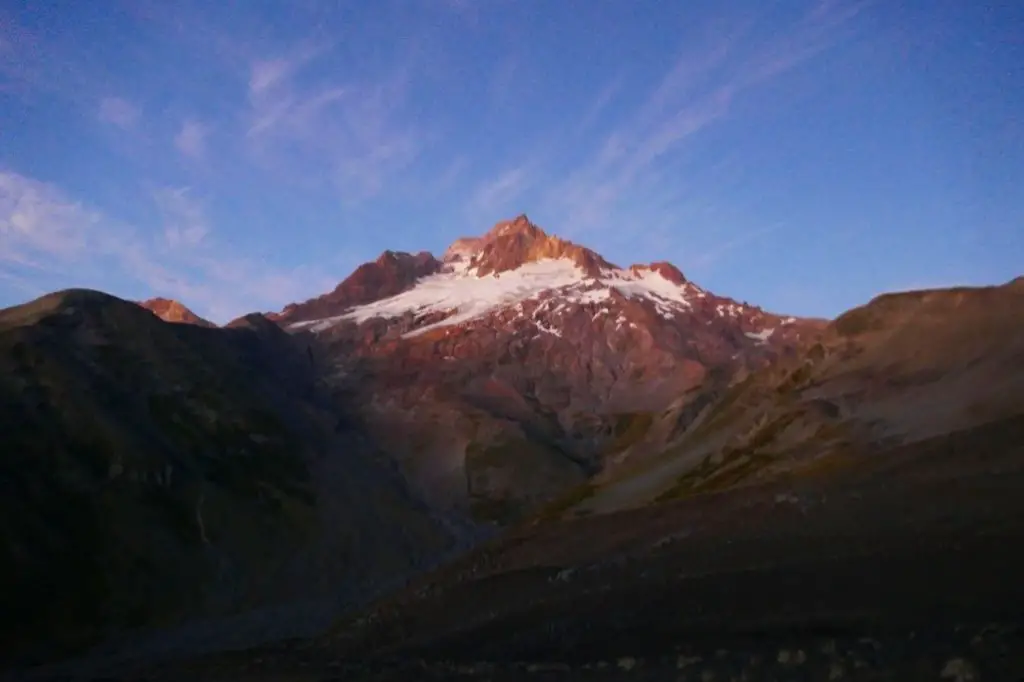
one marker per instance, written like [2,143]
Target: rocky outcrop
[392,273]
[170,310]
[513,243]
[666,270]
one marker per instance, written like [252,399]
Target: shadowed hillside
[156,472]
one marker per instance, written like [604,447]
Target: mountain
[244,468]
[675,484]
[851,513]
[519,364]
[155,475]
[172,311]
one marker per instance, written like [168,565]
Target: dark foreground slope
[156,474]
[896,569]
[876,537]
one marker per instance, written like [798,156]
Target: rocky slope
[169,310]
[901,369]
[520,364]
[154,474]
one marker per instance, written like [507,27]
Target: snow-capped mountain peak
[461,293]
[518,272]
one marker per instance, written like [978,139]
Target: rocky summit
[517,460]
[521,342]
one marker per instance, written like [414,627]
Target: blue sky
[803,156]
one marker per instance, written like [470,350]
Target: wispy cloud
[191,139]
[447,178]
[597,106]
[184,220]
[316,123]
[37,226]
[495,197]
[706,259]
[267,74]
[119,112]
[697,91]
[52,241]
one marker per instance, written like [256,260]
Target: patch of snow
[469,297]
[593,296]
[762,335]
[459,266]
[549,330]
[463,295]
[318,326]
[646,284]
[789,320]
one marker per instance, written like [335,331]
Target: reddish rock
[513,243]
[666,270]
[392,273]
[170,310]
